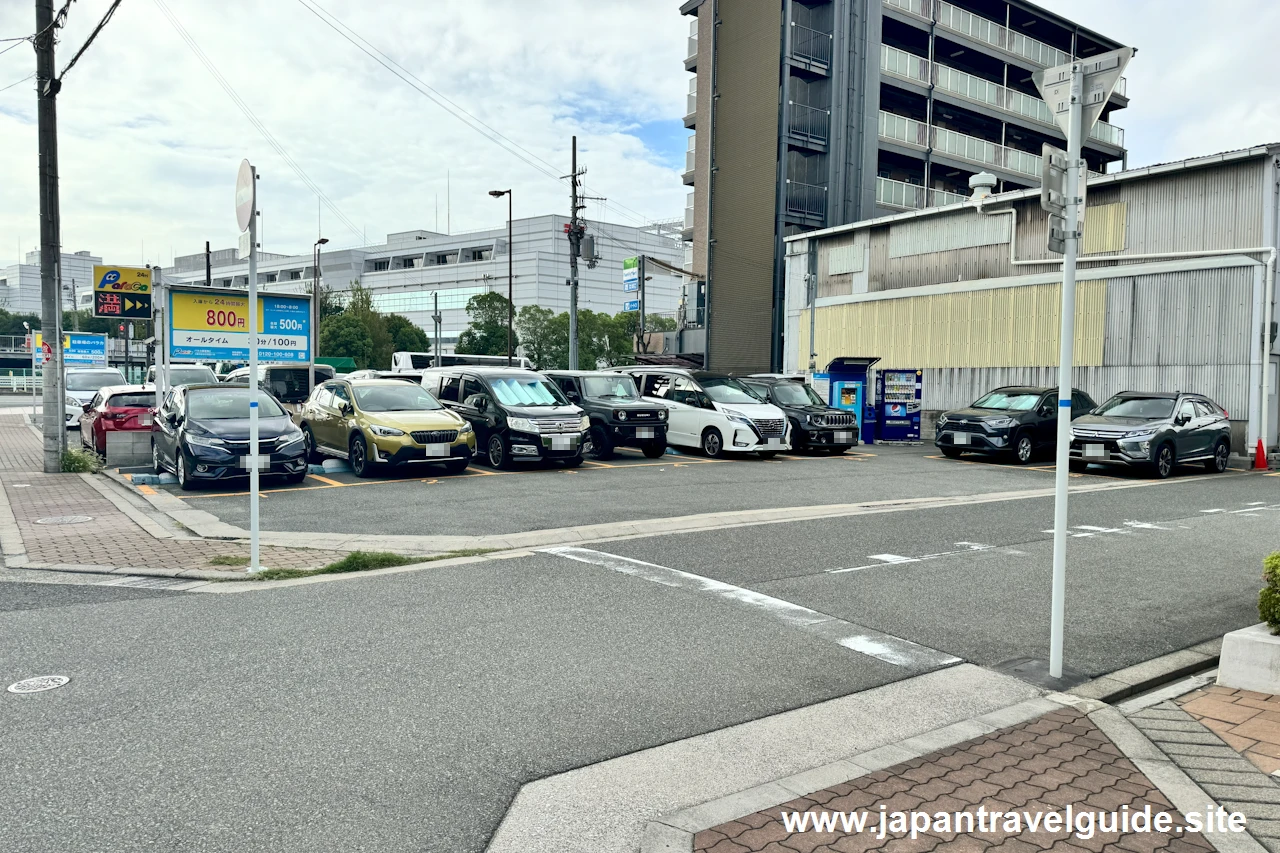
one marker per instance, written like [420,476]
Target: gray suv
[1155,431]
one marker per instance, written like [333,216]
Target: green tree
[346,336]
[539,336]
[330,304]
[405,336]
[11,324]
[360,306]
[487,332]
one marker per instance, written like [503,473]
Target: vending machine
[900,396]
[852,386]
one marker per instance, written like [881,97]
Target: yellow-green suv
[374,423]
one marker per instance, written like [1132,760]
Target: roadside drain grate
[38,684]
[65,519]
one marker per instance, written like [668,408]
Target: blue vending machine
[851,389]
[899,393]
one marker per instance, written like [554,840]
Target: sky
[149,143]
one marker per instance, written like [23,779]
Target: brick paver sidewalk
[1248,722]
[20,448]
[1044,765]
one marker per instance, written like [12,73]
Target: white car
[713,412]
[82,386]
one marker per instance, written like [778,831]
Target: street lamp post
[511,305]
[31,338]
[315,311]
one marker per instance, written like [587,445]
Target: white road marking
[1099,529]
[176,584]
[867,641]
[1145,525]
[891,558]
[968,547]
[1212,510]
[1255,503]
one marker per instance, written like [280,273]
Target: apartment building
[809,114]
[20,283]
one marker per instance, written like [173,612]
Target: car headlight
[289,439]
[204,440]
[385,431]
[72,401]
[521,424]
[1140,433]
[620,415]
[465,428]
[585,422]
[734,415]
[1001,423]
[662,414]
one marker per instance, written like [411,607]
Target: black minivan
[518,415]
[619,415]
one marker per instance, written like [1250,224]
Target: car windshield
[1137,407]
[519,391]
[191,376]
[726,390]
[796,394]
[1008,401]
[401,397]
[92,380]
[613,387]
[218,404]
[136,400]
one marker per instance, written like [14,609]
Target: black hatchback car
[619,415]
[815,426]
[201,432]
[1016,421]
[1155,431]
[518,415]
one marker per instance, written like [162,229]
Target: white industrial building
[412,268]
[1176,290]
[20,283]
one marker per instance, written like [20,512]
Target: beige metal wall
[1003,327]
[740,285]
[702,134]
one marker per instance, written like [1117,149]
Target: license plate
[644,432]
[563,442]
[144,420]
[959,438]
[1095,451]
[436,450]
[844,438]
[774,443]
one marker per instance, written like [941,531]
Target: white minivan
[713,412]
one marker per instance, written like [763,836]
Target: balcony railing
[688,212]
[893,193]
[693,39]
[691,100]
[810,44]
[904,64]
[903,129]
[689,155]
[915,7]
[806,199]
[809,123]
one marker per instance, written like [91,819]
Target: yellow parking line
[326,480]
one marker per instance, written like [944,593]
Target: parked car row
[1152,431]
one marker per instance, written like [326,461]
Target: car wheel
[156,467]
[575,462]
[951,452]
[654,451]
[309,442]
[1164,461]
[1023,449]
[455,466]
[1221,455]
[498,455]
[295,479]
[361,466]
[597,445]
[712,443]
[184,476]
[1077,466]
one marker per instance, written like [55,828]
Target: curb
[1140,678]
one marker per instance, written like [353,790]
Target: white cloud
[150,144]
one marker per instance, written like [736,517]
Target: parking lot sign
[79,349]
[212,324]
[632,305]
[122,293]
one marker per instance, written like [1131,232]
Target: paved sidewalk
[20,448]
[1044,765]
[1248,722]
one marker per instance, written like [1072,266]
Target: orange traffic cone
[1260,457]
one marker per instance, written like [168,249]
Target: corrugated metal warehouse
[1176,268]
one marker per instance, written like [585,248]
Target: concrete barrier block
[1250,660]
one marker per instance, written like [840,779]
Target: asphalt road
[425,501]
[405,711]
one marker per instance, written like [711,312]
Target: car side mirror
[573,396]
[1181,420]
[87,408]
[347,409]
[1046,410]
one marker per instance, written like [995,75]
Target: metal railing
[688,212]
[915,7]
[904,64]
[691,100]
[810,44]
[893,193]
[693,39]
[14,344]
[903,129]
[806,199]
[689,158]
[810,123]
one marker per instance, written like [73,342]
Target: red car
[116,408]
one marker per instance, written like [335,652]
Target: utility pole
[208,266]
[644,342]
[436,319]
[575,246]
[47,86]
[75,307]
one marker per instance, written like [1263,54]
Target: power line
[107,17]
[23,80]
[254,120]
[17,43]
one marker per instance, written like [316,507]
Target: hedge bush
[1269,598]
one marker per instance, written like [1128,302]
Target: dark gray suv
[1153,430]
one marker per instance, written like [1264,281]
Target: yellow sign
[213,312]
[122,279]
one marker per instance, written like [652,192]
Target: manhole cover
[65,519]
[38,684]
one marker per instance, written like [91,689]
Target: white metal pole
[1065,360]
[32,333]
[160,313]
[253,389]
